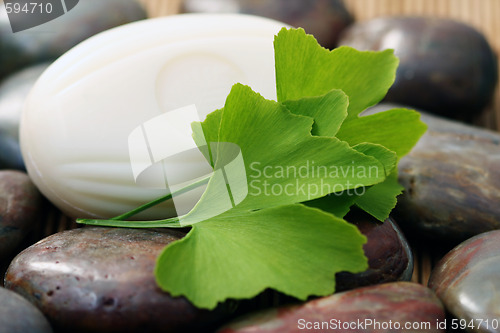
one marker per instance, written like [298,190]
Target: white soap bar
[94,104]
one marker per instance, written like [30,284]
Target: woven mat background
[482,14]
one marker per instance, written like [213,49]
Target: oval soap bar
[106,97]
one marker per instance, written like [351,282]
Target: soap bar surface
[79,117]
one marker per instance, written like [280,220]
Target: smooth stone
[13,93]
[451,180]
[467,280]
[446,67]
[50,40]
[389,255]
[20,208]
[10,153]
[397,303]
[17,315]
[96,279]
[325,19]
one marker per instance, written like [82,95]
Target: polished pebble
[96,279]
[389,255]
[20,207]
[445,66]
[389,306]
[10,153]
[50,40]
[467,280]
[452,182]
[17,315]
[13,93]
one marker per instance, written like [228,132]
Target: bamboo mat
[482,14]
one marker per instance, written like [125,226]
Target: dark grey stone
[20,208]
[49,41]
[17,315]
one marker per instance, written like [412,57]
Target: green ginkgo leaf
[258,243]
[305,69]
[283,162]
[284,173]
[294,249]
[328,111]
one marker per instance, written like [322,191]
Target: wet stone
[20,207]
[452,182]
[50,40]
[96,279]
[389,255]
[13,92]
[467,280]
[445,66]
[325,19]
[17,315]
[399,303]
[451,177]
[10,153]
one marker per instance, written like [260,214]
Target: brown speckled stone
[20,206]
[399,302]
[389,255]
[452,181]
[452,177]
[101,280]
[17,315]
[467,280]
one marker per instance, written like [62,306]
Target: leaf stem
[119,221]
[167,223]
